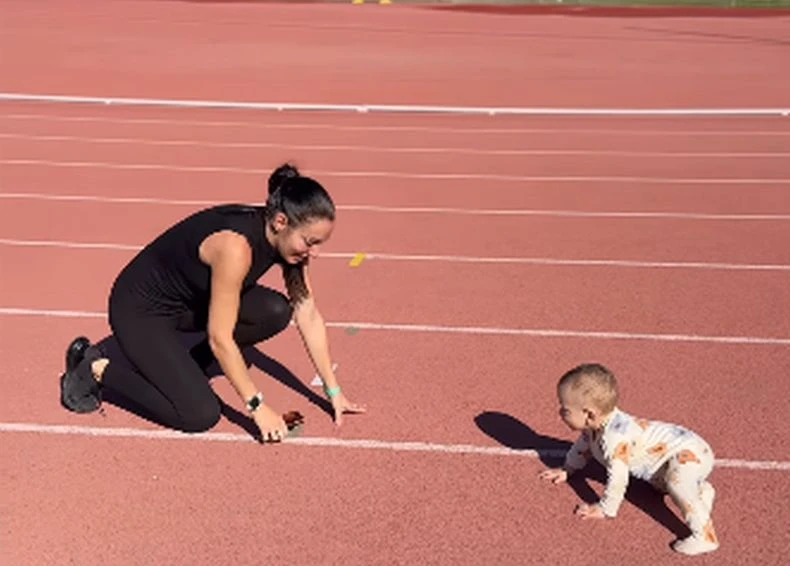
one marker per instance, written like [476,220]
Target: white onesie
[672,458]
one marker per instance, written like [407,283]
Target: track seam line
[425,209]
[469,330]
[405,175]
[535,152]
[539,261]
[374,128]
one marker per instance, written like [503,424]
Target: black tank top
[168,277]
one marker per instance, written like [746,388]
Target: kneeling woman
[201,275]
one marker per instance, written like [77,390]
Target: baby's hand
[556,475]
[590,511]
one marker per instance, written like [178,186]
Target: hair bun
[282,174]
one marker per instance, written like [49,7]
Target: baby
[673,459]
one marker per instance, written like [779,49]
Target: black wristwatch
[255,402]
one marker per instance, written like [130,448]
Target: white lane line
[406,175]
[67,245]
[560,213]
[535,152]
[106,199]
[423,209]
[404,109]
[546,261]
[572,262]
[263,125]
[365,444]
[473,330]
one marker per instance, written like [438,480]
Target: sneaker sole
[83,405]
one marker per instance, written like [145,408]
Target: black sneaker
[76,352]
[79,391]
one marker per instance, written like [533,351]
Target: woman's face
[295,244]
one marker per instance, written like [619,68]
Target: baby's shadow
[640,494]
[514,434]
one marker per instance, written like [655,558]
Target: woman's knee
[280,312]
[264,313]
[200,417]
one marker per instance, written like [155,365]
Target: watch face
[254,403]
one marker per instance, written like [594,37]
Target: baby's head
[587,394]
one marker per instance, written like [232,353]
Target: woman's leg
[158,376]
[263,313]
[161,378]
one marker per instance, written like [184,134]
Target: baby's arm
[576,458]
[618,474]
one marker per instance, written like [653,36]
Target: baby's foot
[695,544]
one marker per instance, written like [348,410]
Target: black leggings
[162,377]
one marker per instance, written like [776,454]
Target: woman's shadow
[252,357]
[516,435]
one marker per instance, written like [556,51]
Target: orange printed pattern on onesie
[622,452]
[687,456]
[658,449]
[710,533]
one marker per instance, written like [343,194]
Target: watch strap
[255,402]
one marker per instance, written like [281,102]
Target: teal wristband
[332,392]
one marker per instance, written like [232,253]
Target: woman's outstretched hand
[342,405]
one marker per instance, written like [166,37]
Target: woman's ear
[279,223]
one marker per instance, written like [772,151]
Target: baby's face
[571,409]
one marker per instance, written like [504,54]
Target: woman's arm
[229,256]
[313,331]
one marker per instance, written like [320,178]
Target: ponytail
[277,179]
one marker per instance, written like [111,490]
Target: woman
[200,275]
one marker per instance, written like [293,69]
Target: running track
[502,251]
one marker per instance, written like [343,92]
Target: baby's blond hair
[595,382]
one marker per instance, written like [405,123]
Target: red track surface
[75,499]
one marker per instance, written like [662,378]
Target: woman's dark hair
[300,199]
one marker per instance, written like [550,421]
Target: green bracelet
[332,392]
